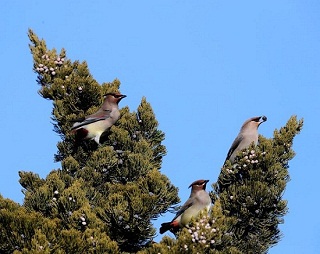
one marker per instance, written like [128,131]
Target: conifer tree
[104,198]
[251,193]
[248,205]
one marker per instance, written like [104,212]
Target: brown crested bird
[248,134]
[199,200]
[92,126]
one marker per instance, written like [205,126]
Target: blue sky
[205,67]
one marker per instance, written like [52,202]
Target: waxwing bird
[248,134]
[92,126]
[199,200]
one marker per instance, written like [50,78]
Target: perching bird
[199,200]
[248,134]
[92,126]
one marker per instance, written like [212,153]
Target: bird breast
[248,138]
[201,201]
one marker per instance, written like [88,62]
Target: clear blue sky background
[205,66]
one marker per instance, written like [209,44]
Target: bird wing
[98,116]
[234,145]
[185,206]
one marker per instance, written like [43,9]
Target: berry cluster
[48,67]
[251,157]
[203,232]
[83,220]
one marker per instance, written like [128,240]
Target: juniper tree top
[104,197]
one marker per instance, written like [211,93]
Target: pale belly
[192,212]
[96,128]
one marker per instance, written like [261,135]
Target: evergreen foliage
[251,190]
[248,201]
[104,198]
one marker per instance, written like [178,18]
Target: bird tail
[165,227]
[173,226]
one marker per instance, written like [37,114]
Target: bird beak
[123,96]
[263,119]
